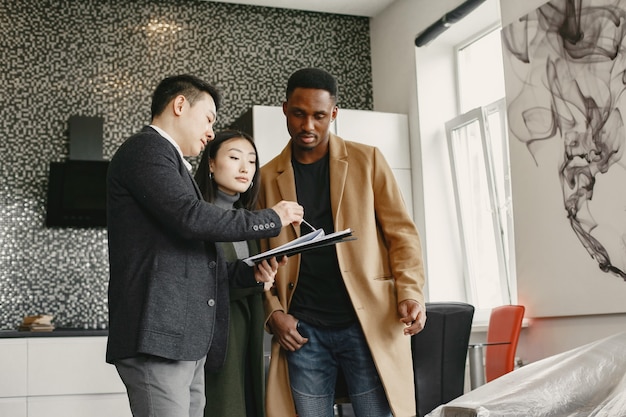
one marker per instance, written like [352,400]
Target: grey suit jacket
[167,278]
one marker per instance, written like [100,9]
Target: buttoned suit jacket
[381,268]
[168,288]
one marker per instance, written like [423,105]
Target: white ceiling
[369,8]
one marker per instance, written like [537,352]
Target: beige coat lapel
[285,181]
[338,175]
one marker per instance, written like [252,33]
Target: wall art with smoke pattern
[565,72]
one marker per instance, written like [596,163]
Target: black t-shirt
[320,297]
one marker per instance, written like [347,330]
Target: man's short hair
[188,85]
[312,78]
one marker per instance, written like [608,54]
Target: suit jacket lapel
[195,185]
[181,165]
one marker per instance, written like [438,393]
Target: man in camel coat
[349,307]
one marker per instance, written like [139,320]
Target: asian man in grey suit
[168,287]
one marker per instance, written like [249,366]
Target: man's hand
[266,271]
[289,212]
[284,327]
[413,315]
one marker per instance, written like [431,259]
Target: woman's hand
[265,271]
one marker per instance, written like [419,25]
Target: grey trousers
[159,387]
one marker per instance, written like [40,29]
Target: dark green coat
[238,389]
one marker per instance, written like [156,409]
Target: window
[480,73]
[478,152]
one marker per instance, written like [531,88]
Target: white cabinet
[13,407]
[100,405]
[59,376]
[12,368]
[389,132]
[70,365]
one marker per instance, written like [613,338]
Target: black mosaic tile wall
[103,58]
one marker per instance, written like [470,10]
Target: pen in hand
[309,225]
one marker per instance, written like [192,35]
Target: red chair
[505,324]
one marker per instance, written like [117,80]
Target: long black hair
[207,185]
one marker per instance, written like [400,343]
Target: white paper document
[309,241]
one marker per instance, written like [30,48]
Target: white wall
[513,9]
[430,101]
[395,84]
[401,73]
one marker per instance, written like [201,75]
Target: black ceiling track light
[441,25]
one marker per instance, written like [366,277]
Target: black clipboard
[313,240]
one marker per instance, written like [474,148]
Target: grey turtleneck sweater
[227,201]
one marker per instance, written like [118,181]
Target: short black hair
[312,78]
[189,86]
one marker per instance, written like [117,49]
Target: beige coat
[382,267]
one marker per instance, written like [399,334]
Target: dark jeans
[313,372]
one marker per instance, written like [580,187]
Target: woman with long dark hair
[228,176]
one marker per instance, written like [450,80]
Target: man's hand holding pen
[308,225]
[289,212]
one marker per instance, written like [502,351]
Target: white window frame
[499,201]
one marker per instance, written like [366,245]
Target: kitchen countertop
[58,332]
